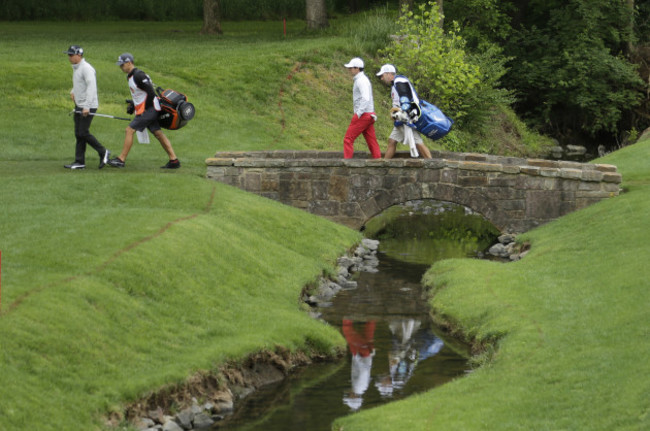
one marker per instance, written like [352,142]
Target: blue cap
[124,58]
[74,50]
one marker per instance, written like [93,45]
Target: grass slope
[119,282]
[569,325]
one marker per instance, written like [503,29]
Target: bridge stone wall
[514,194]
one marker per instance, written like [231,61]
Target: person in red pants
[363,120]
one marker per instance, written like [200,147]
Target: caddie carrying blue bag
[432,122]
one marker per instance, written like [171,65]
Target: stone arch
[477,202]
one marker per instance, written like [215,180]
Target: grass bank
[119,282]
[565,329]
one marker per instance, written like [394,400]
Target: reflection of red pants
[365,125]
[360,345]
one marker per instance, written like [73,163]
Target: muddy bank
[209,397]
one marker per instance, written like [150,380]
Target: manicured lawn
[116,282]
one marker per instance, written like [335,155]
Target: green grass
[115,282]
[119,282]
[566,328]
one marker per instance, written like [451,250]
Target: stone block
[338,188]
[252,181]
[480,166]
[324,208]
[320,190]
[605,168]
[219,161]
[428,175]
[370,208]
[542,205]
[569,173]
[541,163]
[474,181]
[549,172]
[449,176]
[529,170]
[592,176]
[610,177]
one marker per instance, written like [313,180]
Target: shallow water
[386,322]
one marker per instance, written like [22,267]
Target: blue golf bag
[432,122]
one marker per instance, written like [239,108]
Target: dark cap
[124,58]
[74,49]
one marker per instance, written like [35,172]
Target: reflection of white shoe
[354,401]
[75,165]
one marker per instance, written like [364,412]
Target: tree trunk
[441,10]
[316,14]
[630,45]
[211,17]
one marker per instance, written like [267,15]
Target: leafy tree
[569,68]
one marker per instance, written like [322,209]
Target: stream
[394,350]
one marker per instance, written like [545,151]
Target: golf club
[143,136]
[97,114]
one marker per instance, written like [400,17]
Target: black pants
[82,133]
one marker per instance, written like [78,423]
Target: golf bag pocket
[175,110]
[432,122]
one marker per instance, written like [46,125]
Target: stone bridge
[514,194]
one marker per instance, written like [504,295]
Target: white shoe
[75,165]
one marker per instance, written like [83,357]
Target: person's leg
[90,138]
[390,150]
[424,151]
[370,136]
[80,131]
[354,130]
[164,141]
[128,143]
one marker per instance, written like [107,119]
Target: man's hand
[130,106]
[85,112]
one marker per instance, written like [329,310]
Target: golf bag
[175,111]
[432,122]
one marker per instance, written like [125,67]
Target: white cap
[355,62]
[387,68]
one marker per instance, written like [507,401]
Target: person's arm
[365,90]
[91,89]
[143,82]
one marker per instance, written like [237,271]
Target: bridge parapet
[515,194]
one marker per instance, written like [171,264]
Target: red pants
[365,125]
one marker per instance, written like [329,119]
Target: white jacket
[362,95]
[84,85]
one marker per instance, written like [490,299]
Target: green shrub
[435,61]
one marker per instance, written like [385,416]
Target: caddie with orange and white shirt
[145,105]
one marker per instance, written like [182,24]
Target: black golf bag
[175,111]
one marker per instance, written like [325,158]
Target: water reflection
[394,350]
[409,347]
[362,350]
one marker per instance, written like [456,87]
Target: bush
[435,62]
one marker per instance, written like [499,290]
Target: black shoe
[104,159]
[116,163]
[75,165]
[172,164]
